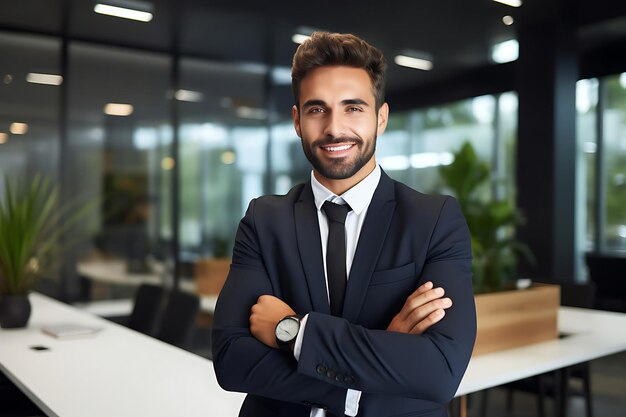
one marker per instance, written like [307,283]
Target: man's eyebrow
[311,103]
[353,101]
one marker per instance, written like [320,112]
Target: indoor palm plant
[491,222]
[32,221]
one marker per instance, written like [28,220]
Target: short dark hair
[325,49]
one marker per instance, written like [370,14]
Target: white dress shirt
[359,198]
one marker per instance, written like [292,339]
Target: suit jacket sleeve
[428,366]
[241,362]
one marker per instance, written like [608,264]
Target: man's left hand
[265,315]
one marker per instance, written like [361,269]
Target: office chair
[148,301]
[608,273]
[178,318]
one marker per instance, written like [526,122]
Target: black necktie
[336,254]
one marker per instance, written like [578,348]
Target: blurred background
[174,118]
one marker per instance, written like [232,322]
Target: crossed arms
[421,354]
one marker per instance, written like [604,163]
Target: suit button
[321,369]
[348,380]
[339,378]
[330,373]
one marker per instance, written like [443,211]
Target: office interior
[169,127]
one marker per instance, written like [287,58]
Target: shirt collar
[358,197]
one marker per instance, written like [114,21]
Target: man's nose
[335,126]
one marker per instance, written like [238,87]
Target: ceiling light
[118,109]
[508,20]
[299,38]
[18,128]
[622,80]
[3,138]
[7,79]
[134,10]
[46,79]
[281,75]
[506,51]
[188,95]
[246,112]
[512,3]
[412,62]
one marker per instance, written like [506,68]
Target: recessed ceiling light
[506,51]
[3,138]
[189,95]
[508,20]
[47,79]
[299,38]
[133,10]
[246,112]
[412,62]
[18,128]
[512,3]
[118,109]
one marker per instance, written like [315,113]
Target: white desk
[118,372]
[590,334]
[123,373]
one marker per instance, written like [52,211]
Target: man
[326,314]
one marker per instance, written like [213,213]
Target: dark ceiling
[458,34]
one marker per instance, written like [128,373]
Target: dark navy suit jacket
[408,238]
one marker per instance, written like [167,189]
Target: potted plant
[491,222]
[506,317]
[31,224]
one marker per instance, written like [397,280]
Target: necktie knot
[336,212]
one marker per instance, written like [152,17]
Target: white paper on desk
[71,331]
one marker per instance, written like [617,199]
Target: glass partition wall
[230,125]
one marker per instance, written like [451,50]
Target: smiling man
[339,300]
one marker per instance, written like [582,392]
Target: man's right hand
[421,310]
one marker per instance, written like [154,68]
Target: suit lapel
[368,249]
[310,248]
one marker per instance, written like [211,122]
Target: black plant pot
[14,311]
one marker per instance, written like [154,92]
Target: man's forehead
[337,81]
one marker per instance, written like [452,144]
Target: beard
[340,168]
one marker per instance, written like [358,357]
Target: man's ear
[295,114]
[383,117]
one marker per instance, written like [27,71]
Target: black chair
[148,301]
[178,318]
[608,273]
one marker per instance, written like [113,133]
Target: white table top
[590,334]
[117,372]
[122,373]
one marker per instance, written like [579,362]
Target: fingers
[430,320]
[423,312]
[422,309]
[422,296]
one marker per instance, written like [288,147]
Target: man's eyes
[351,109]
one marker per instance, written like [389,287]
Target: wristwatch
[287,331]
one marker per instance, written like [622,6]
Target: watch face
[287,329]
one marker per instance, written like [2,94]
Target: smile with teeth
[337,148]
